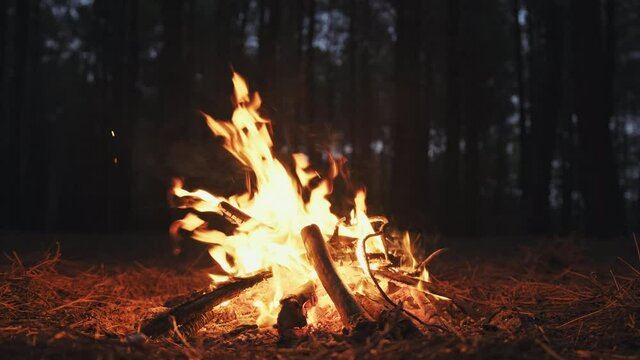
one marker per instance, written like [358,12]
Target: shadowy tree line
[460,117]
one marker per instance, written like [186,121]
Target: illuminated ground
[551,301]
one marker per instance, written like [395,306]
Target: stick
[351,313]
[430,288]
[195,312]
[411,281]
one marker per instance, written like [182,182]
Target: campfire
[310,265]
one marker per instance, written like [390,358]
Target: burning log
[295,306]
[233,214]
[192,315]
[293,313]
[351,313]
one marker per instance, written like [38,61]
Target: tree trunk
[5,181]
[522,115]
[360,104]
[604,208]
[173,92]
[310,62]
[17,124]
[427,26]
[451,186]
[567,176]
[410,155]
[35,148]
[546,99]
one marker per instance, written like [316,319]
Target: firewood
[293,313]
[194,313]
[409,280]
[229,212]
[431,288]
[353,316]
[295,306]
[233,214]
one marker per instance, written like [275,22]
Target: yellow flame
[273,241]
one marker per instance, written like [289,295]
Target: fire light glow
[275,211]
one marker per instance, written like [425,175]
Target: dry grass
[522,308]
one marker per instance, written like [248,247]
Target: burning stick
[352,315]
[429,288]
[194,314]
[412,281]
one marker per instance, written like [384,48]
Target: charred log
[295,306]
[230,213]
[293,313]
[351,313]
[193,314]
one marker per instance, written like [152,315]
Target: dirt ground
[555,298]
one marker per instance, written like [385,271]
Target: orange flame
[272,239]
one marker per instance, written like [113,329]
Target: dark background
[463,118]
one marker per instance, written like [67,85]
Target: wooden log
[229,212]
[353,316]
[195,312]
[293,313]
[295,306]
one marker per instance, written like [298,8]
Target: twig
[382,292]
[629,265]
[637,247]
[575,342]
[585,316]
[84,299]
[614,279]
[549,350]
[429,258]
[192,352]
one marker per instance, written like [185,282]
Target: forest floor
[549,299]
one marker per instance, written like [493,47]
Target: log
[295,306]
[195,312]
[233,214]
[293,313]
[353,316]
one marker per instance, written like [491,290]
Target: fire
[269,218]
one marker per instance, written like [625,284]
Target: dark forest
[461,118]
[497,144]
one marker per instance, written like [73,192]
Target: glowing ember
[271,217]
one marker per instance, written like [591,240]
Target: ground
[525,298]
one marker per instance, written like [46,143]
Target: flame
[276,209]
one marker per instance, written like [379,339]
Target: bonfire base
[538,307]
